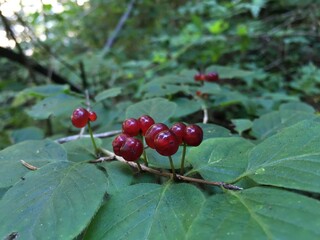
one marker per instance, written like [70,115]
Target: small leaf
[288,159]
[220,159]
[241,125]
[28,133]
[229,72]
[159,109]
[57,105]
[59,199]
[109,93]
[213,131]
[147,211]
[257,213]
[186,107]
[35,152]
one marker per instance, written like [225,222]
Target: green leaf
[213,131]
[35,152]
[229,72]
[59,199]
[81,149]
[289,159]
[288,114]
[109,93]
[186,107]
[147,211]
[257,213]
[119,176]
[28,133]
[242,125]
[57,105]
[159,109]
[220,159]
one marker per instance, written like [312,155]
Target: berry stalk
[92,138]
[184,149]
[172,168]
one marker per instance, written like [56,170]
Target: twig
[118,28]
[28,165]
[205,114]
[98,135]
[167,174]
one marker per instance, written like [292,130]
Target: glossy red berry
[152,132]
[132,149]
[118,142]
[178,129]
[199,77]
[212,77]
[80,117]
[145,122]
[92,116]
[166,143]
[131,127]
[193,135]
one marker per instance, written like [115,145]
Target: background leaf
[59,199]
[111,92]
[35,152]
[159,109]
[147,211]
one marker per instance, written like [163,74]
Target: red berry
[153,131]
[145,122]
[132,149]
[131,127]
[199,77]
[92,116]
[178,129]
[118,142]
[212,77]
[166,143]
[193,135]
[80,117]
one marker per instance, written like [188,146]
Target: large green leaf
[220,159]
[54,202]
[288,159]
[111,92]
[147,211]
[257,213]
[186,107]
[58,105]
[288,114]
[214,131]
[28,133]
[159,109]
[35,152]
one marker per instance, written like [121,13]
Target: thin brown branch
[98,135]
[167,174]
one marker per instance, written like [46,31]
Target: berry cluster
[80,117]
[209,77]
[158,136]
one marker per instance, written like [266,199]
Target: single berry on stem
[193,135]
[118,142]
[166,143]
[152,132]
[92,116]
[131,127]
[132,149]
[145,122]
[178,129]
[80,117]
[212,77]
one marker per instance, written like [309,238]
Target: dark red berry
[118,142]
[132,149]
[92,116]
[212,77]
[166,143]
[145,122]
[80,117]
[193,135]
[131,127]
[178,129]
[153,131]
[199,77]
